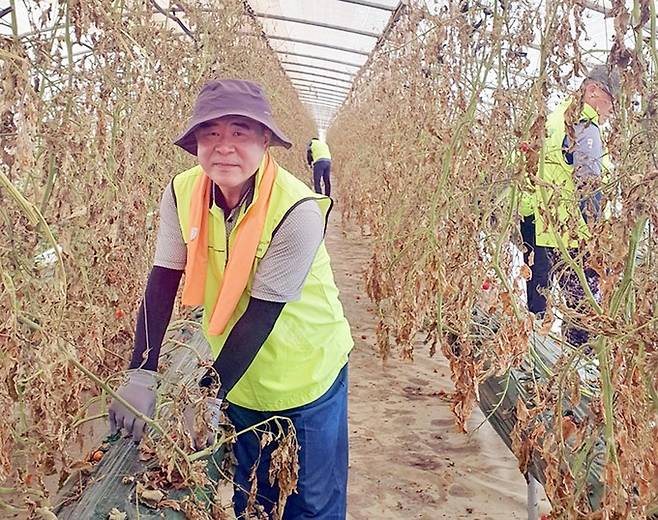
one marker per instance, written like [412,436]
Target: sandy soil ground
[407,459]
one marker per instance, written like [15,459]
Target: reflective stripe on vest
[559,199]
[310,341]
[319,150]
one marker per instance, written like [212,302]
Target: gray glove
[204,429]
[139,391]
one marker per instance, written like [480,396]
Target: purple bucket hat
[233,97]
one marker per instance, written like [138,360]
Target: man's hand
[139,391]
[203,426]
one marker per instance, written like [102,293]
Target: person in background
[318,157]
[568,194]
[535,257]
[249,237]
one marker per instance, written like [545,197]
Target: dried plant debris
[86,125]
[115,514]
[432,152]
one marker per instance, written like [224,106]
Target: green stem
[211,449]
[629,269]
[50,182]
[13,509]
[503,239]
[652,33]
[69,42]
[36,218]
[80,422]
[608,395]
[14,19]
[508,377]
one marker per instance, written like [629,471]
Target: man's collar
[247,194]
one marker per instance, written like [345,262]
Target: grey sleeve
[170,248]
[288,259]
[587,154]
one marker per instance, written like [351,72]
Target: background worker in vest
[541,264]
[250,238]
[318,157]
[569,193]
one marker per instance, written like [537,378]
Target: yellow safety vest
[319,150]
[311,339]
[559,198]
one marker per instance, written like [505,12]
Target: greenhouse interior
[331,259]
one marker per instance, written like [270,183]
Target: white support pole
[533,500]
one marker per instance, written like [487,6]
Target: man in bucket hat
[249,237]
[567,198]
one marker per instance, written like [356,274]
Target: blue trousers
[321,428]
[322,172]
[540,269]
[547,259]
[574,294]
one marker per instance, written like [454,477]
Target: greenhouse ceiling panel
[322,45]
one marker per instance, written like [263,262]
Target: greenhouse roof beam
[314,74]
[311,87]
[593,6]
[340,95]
[320,95]
[396,13]
[317,67]
[311,83]
[320,104]
[174,18]
[335,104]
[347,86]
[332,102]
[306,82]
[321,58]
[317,44]
[323,111]
[330,33]
[323,102]
[307,91]
[370,34]
[372,5]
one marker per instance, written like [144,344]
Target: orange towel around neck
[243,253]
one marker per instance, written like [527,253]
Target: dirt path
[407,460]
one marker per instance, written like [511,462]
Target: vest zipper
[226,261]
[228,236]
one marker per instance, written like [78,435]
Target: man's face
[599,99]
[230,149]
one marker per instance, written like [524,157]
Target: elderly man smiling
[249,237]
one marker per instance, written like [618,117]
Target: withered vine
[428,152]
[92,95]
